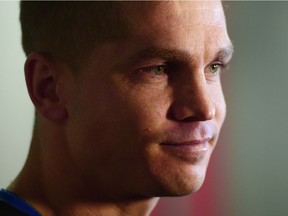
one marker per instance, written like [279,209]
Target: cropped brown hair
[69,31]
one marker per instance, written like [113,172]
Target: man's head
[143,115]
[69,31]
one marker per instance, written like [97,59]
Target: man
[128,104]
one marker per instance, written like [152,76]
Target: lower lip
[188,151]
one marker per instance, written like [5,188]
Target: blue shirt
[12,205]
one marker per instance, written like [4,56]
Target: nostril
[189,119]
[193,112]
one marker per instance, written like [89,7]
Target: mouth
[191,151]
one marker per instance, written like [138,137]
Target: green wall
[258,108]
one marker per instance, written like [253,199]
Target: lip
[190,151]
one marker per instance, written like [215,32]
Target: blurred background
[248,173]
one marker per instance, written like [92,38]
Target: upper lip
[189,134]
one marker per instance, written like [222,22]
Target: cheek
[145,105]
[221,110]
[220,104]
[115,116]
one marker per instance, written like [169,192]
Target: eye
[158,70]
[215,68]
[155,71]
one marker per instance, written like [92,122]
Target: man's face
[148,109]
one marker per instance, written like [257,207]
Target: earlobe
[42,76]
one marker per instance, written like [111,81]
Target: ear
[42,80]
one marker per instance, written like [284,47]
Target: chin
[184,187]
[180,181]
[176,174]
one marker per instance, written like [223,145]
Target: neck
[73,207]
[128,208]
[53,190]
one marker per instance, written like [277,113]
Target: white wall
[16,111]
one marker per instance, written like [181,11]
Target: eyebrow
[224,54]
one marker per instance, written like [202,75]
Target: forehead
[196,28]
[183,25]
[174,14]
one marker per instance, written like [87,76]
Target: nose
[193,100]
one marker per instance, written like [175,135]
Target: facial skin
[148,109]
[142,118]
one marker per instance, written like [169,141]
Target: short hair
[69,31]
